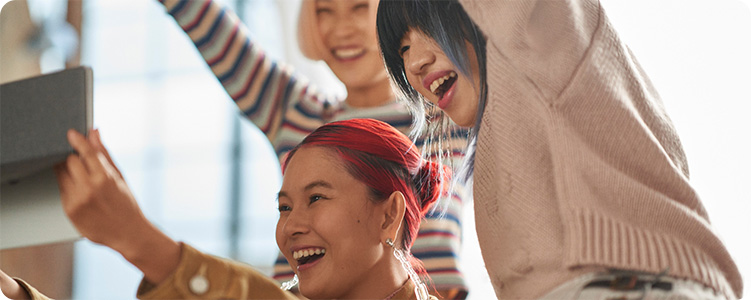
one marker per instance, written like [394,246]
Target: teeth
[307,252]
[348,53]
[436,83]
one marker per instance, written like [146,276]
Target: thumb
[11,288]
[96,140]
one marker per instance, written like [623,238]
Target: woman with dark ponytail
[353,195]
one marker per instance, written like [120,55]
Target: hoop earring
[288,285]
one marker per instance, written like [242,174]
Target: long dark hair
[448,24]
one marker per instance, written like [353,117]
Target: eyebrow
[314,184]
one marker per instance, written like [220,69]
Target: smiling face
[347,29]
[432,74]
[328,228]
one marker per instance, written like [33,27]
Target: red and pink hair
[385,160]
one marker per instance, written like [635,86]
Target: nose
[296,223]
[419,55]
[346,26]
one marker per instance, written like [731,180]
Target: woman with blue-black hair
[580,180]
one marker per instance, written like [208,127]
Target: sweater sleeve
[202,276]
[268,93]
[542,41]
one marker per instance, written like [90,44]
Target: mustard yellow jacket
[203,276]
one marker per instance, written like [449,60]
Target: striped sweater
[286,108]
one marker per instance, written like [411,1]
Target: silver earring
[390,242]
[288,285]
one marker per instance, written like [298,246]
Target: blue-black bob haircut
[447,23]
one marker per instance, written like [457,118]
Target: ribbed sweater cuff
[595,239]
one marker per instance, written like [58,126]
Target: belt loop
[624,282]
[648,285]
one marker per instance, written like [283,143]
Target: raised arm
[267,92]
[543,42]
[100,205]
[203,276]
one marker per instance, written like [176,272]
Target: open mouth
[309,255]
[350,53]
[441,85]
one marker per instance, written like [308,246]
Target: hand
[11,288]
[95,196]
[100,205]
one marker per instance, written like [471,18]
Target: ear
[394,210]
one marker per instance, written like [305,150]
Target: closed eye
[402,50]
[323,11]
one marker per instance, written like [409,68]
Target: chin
[312,292]
[467,124]
[314,296]
[358,82]
[352,78]
[465,116]
[464,121]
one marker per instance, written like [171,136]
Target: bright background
[209,178]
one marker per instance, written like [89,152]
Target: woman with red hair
[351,202]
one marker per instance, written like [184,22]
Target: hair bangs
[442,21]
[393,21]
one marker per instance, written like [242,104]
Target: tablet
[36,114]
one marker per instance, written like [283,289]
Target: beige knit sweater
[578,167]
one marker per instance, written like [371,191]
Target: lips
[441,84]
[307,256]
[348,53]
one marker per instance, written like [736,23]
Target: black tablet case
[36,114]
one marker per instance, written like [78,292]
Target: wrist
[152,252]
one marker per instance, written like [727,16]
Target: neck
[382,281]
[371,95]
[398,290]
